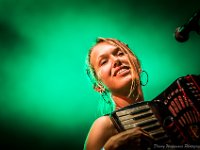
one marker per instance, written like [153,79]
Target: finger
[147,134]
[142,133]
[138,130]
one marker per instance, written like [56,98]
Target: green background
[46,99]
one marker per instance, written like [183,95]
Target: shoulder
[101,130]
[102,122]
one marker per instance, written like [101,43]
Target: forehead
[100,49]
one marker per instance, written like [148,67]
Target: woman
[115,73]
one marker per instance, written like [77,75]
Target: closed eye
[102,62]
[120,53]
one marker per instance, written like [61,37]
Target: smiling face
[113,68]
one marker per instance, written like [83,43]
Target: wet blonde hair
[107,105]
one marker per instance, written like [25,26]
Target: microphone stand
[193,24]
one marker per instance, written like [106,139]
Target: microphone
[182,32]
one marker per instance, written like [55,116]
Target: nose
[117,62]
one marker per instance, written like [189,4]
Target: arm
[103,134]
[134,138]
[101,130]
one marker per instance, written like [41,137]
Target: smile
[122,70]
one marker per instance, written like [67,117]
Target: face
[112,67]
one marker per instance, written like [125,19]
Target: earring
[142,72]
[105,97]
[99,88]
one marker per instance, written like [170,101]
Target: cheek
[104,73]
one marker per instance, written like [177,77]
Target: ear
[99,88]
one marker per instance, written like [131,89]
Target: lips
[120,70]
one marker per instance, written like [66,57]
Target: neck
[123,101]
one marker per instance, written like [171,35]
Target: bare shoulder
[101,130]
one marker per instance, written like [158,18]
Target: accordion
[172,117]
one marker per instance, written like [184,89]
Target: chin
[126,80]
[122,85]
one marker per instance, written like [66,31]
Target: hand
[135,138]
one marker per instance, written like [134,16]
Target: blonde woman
[115,73]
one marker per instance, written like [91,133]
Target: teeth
[121,70]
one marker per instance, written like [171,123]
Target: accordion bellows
[171,117]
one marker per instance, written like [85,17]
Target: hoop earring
[104,95]
[147,78]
